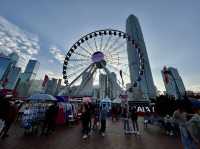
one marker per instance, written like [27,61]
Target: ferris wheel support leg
[90,66]
[66,89]
[91,72]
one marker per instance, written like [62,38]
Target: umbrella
[117,100]
[41,97]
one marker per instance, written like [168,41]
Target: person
[50,119]
[180,117]
[114,113]
[8,113]
[134,118]
[168,125]
[96,119]
[85,119]
[146,119]
[103,116]
[193,126]
[125,115]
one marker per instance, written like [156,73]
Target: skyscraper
[30,71]
[5,65]
[12,77]
[146,84]
[173,82]
[14,58]
[103,79]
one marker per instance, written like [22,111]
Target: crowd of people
[94,119]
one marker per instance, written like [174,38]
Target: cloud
[14,39]
[57,53]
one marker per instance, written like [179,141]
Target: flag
[46,79]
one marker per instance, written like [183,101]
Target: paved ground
[70,138]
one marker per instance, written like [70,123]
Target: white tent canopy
[41,97]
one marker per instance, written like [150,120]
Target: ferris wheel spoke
[118,63]
[77,65]
[114,42]
[120,52]
[107,42]
[118,47]
[95,44]
[86,50]
[79,59]
[89,77]
[101,42]
[82,55]
[86,69]
[89,46]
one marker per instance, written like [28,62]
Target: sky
[45,29]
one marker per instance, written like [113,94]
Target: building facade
[30,71]
[146,84]
[5,67]
[173,82]
[13,77]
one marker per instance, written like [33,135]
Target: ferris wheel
[100,52]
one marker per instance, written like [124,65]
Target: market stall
[33,111]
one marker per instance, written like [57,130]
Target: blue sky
[170,28]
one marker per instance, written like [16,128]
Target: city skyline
[49,40]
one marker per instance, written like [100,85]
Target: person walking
[180,117]
[125,115]
[50,119]
[103,116]
[134,118]
[85,119]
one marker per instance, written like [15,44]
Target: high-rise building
[146,84]
[51,86]
[114,89]
[12,77]
[103,79]
[5,66]
[30,70]
[173,82]
[14,58]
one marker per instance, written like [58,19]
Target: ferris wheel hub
[98,59]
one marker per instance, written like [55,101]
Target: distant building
[52,86]
[14,58]
[173,82]
[36,87]
[103,86]
[12,77]
[5,67]
[30,70]
[114,89]
[146,85]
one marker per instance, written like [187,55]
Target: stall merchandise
[33,115]
[66,113]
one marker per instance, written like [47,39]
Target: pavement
[67,137]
